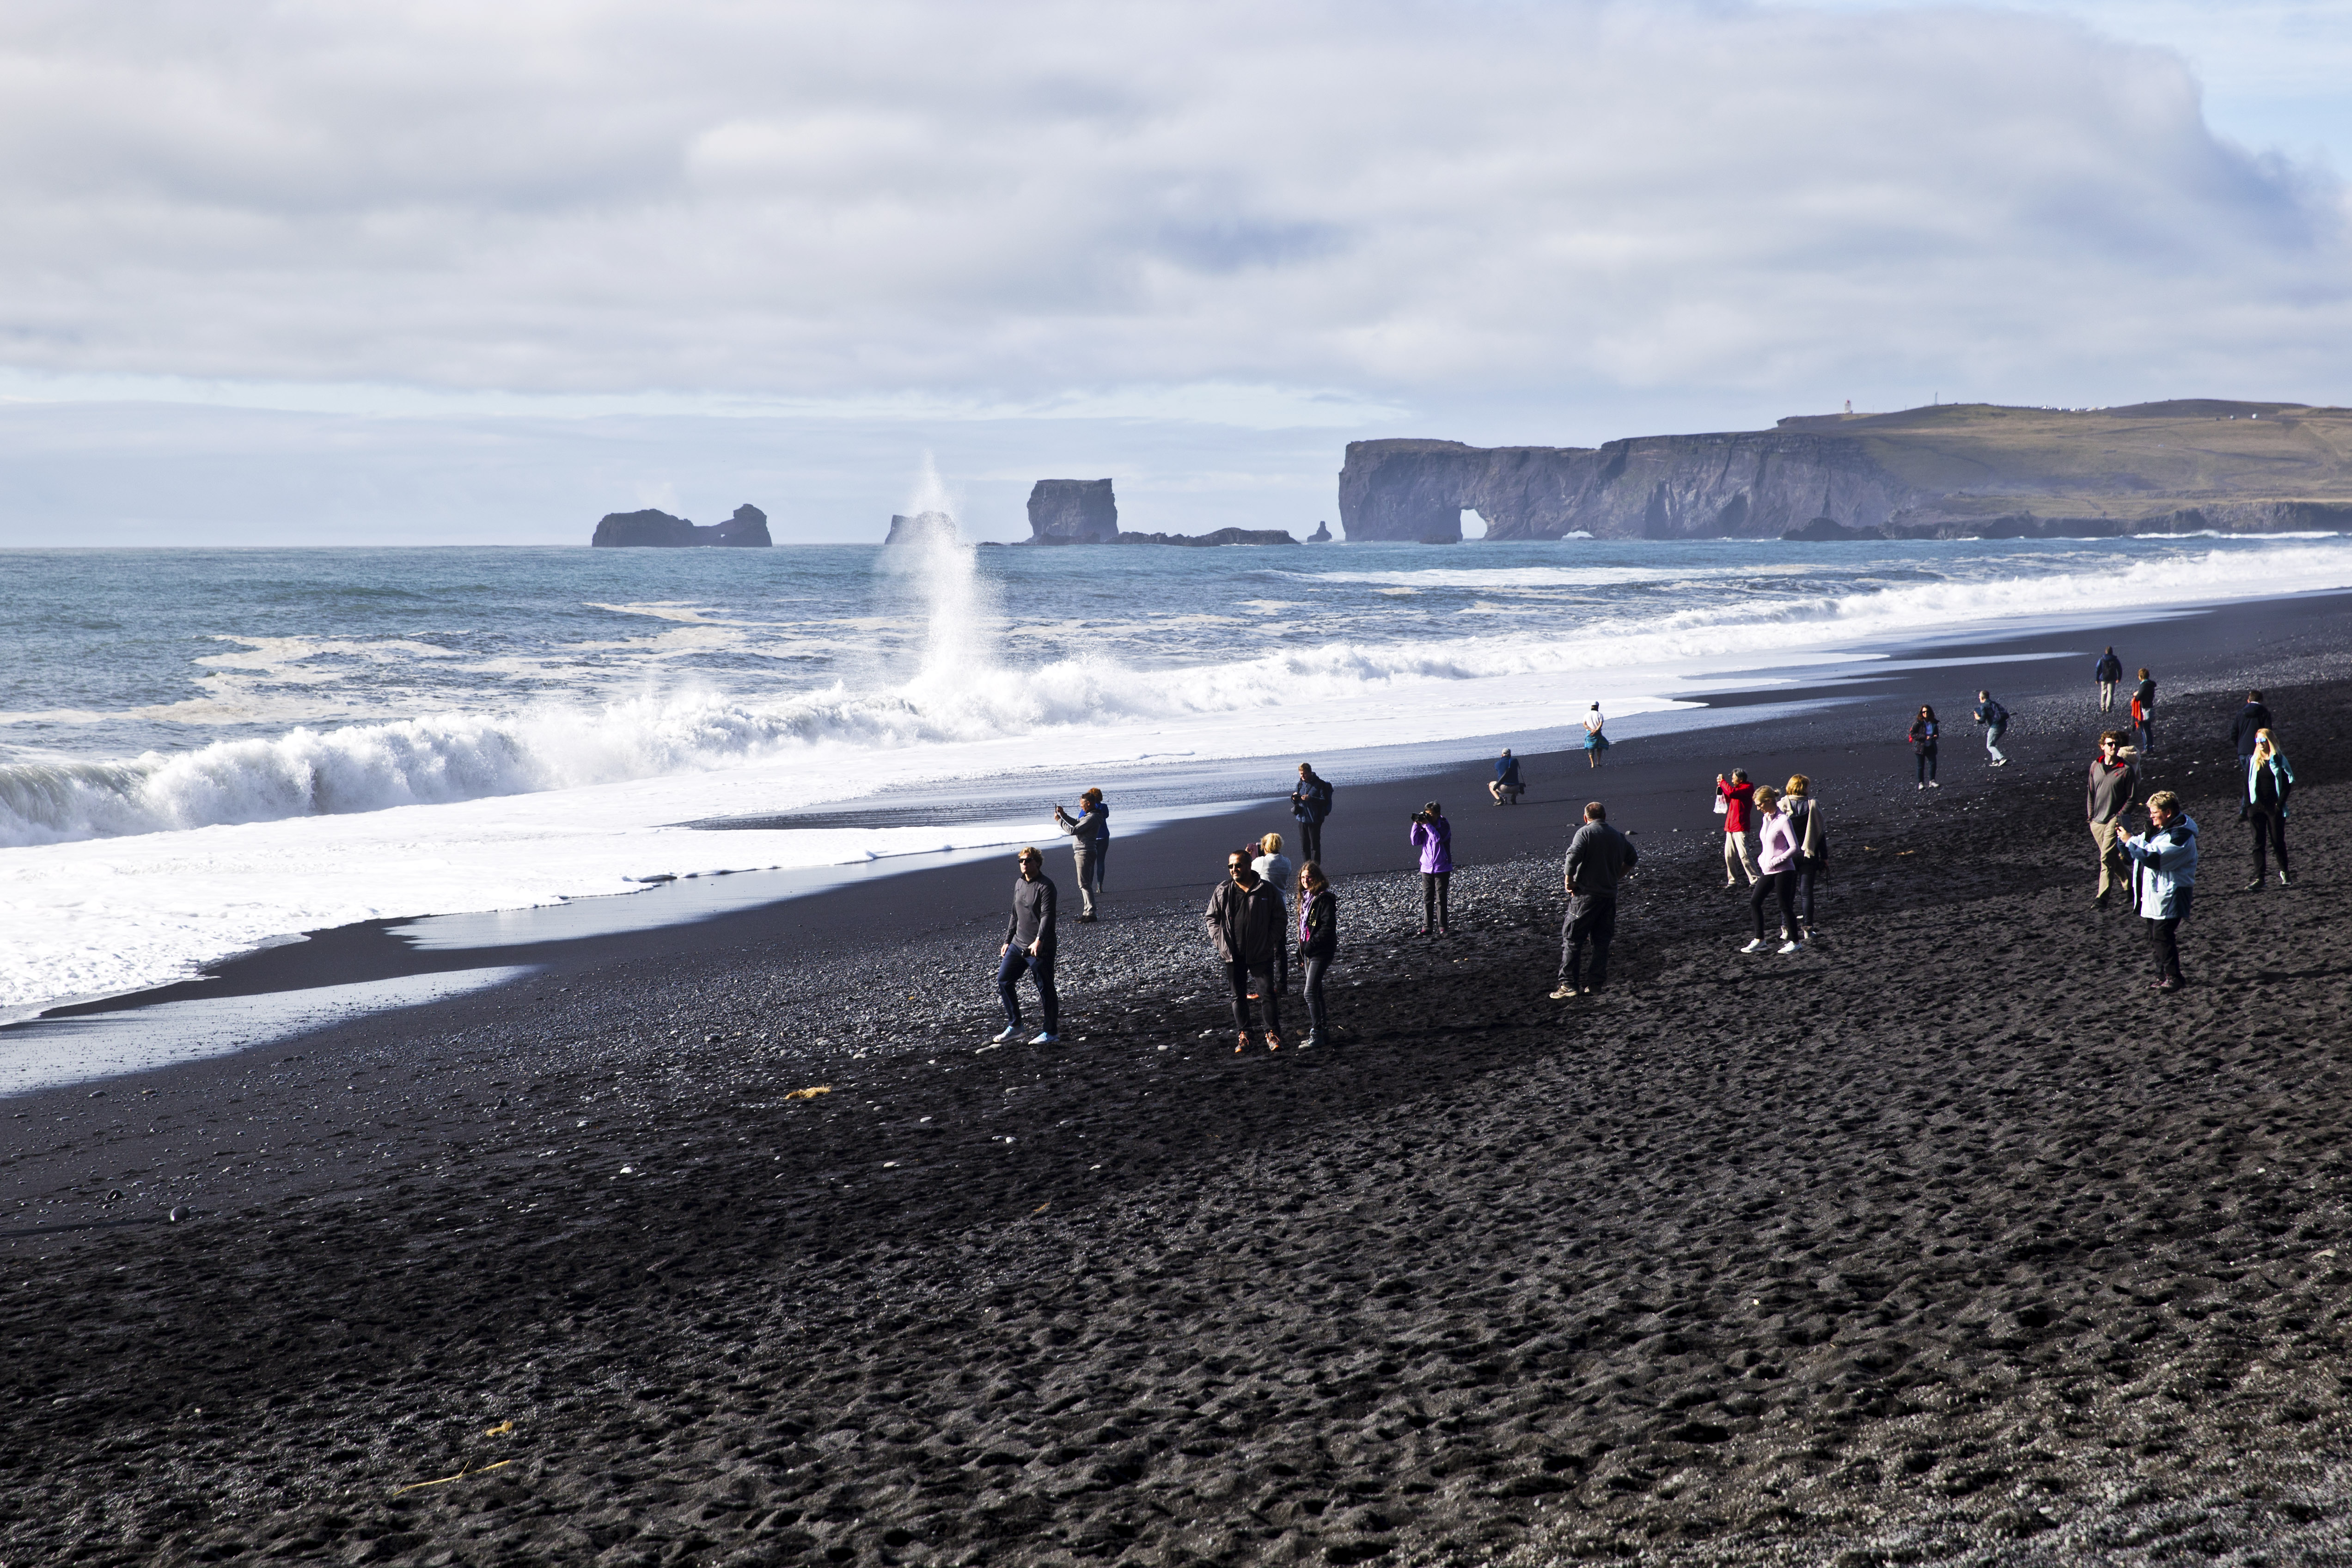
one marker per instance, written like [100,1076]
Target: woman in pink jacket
[1776,854]
[1432,836]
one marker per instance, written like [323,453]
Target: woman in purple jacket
[1432,836]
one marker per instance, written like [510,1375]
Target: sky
[436,273]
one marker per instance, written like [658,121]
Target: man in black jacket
[1309,804]
[1029,945]
[1597,857]
[2108,671]
[1246,921]
[2251,720]
[2112,785]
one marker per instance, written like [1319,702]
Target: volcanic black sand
[1948,1240]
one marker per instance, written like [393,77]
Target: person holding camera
[1310,802]
[1029,947]
[1089,833]
[2164,881]
[1246,921]
[1433,838]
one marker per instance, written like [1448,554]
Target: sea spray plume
[956,606]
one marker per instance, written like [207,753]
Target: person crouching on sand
[1433,838]
[1029,946]
[2164,879]
[1598,856]
[1776,848]
[1735,802]
[1246,920]
[1318,944]
[1505,786]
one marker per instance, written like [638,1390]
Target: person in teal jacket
[2269,781]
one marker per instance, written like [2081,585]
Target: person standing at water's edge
[1432,839]
[1029,946]
[2143,713]
[2253,720]
[1089,833]
[1922,735]
[2108,673]
[1734,801]
[2269,781]
[1995,718]
[2164,881]
[1596,745]
[1598,856]
[1318,944]
[2108,794]
[1506,787]
[1246,921]
[1310,802]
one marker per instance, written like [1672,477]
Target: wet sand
[1946,1241]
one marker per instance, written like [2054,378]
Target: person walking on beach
[1598,856]
[1804,816]
[1029,946]
[2269,781]
[1734,801]
[1246,921]
[2108,794]
[1310,802]
[2109,672]
[2164,881]
[1922,735]
[1506,787]
[1318,944]
[1776,848]
[2253,720]
[1596,745]
[1432,839]
[2143,715]
[1089,833]
[1995,718]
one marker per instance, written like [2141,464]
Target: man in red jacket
[1738,797]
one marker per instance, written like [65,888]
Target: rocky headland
[1221,536]
[622,530]
[1953,471]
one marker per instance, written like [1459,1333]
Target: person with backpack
[1922,735]
[2107,796]
[1995,718]
[2269,781]
[2143,715]
[1089,833]
[1246,920]
[2108,673]
[2164,881]
[2253,720]
[1735,802]
[1310,802]
[1318,944]
[1029,949]
[1432,840]
[1598,856]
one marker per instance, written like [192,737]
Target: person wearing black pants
[1029,947]
[1598,856]
[1776,859]
[1318,944]
[1922,736]
[2269,781]
[1310,802]
[2164,881]
[1246,922]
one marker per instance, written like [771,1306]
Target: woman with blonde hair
[1776,849]
[1805,822]
[2269,781]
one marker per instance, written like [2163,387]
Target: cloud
[1423,206]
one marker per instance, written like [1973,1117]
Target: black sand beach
[1949,1241]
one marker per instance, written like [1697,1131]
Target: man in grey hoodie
[1597,858]
[1246,921]
[1089,833]
[1029,946]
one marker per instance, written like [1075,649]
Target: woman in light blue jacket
[2164,879]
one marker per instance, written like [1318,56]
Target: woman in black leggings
[1319,941]
[1922,736]
[1776,861]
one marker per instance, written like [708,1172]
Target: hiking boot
[1244,1045]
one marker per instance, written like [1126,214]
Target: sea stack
[627,530]
[1073,512]
[922,529]
[1321,536]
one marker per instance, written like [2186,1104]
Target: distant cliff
[922,529]
[1221,536]
[748,526]
[1072,512]
[1946,472]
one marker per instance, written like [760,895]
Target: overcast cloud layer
[1495,222]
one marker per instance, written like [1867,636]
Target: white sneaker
[1919,786]
[1755,946]
[1046,1039]
[1792,946]
[1932,784]
[1011,1032]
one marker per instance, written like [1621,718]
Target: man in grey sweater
[1597,857]
[2108,794]
[1089,833]
[1029,945]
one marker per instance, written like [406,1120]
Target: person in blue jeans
[1922,735]
[1029,947]
[1995,718]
